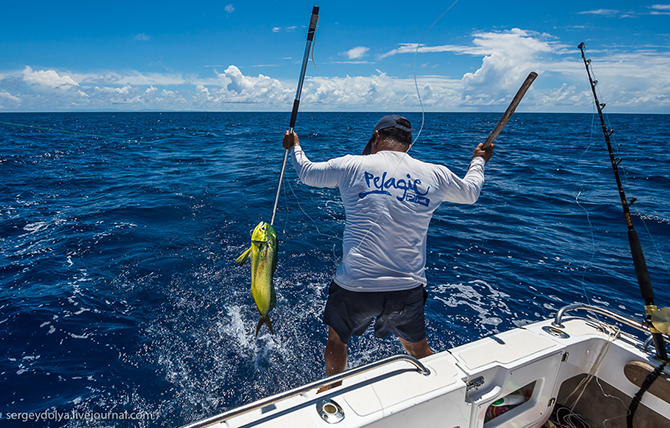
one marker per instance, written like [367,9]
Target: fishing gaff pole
[296,103]
[510,110]
[636,249]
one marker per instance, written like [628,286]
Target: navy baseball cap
[390,121]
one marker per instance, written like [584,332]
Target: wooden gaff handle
[510,110]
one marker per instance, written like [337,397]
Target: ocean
[121,304]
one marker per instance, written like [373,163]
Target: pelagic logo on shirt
[382,185]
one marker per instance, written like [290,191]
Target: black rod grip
[294,113]
[312,23]
[640,267]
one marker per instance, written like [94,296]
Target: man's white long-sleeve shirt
[389,198]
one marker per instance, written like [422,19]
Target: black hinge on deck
[475,383]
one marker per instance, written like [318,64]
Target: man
[389,198]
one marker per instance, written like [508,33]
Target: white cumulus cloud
[229,8]
[412,48]
[248,89]
[510,56]
[604,12]
[128,78]
[635,80]
[507,58]
[48,78]
[288,29]
[660,9]
[357,52]
[9,97]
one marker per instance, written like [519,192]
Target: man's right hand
[480,152]
[291,140]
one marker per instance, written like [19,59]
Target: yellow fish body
[263,253]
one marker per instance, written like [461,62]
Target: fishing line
[658,252]
[308,216]
[607,420]
[286,209]
[316,30]
[416,84]
[588,217]
[318,232]
[316,226]
[628,187]
[612,335]
[70,132]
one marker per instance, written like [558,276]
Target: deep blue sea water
[118,288]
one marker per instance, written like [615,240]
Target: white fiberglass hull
[541,362]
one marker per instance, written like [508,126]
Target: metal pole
[296,103]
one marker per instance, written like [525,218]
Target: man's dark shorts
[398,312]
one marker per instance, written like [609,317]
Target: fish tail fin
[243,257]
[269,324]
[265,319]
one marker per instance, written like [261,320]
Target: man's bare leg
[335,357]
[418,349]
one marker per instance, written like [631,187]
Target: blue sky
[240,56]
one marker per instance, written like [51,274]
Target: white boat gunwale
[273,399]
[588,336]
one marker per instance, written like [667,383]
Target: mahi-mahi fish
[263,253]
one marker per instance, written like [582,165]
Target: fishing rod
[296,103]
[652,314]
